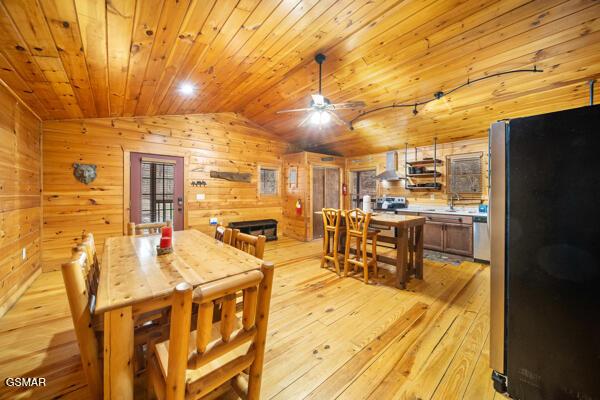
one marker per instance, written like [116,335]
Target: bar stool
[332,231]
[357,226]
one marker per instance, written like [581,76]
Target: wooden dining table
[135,280]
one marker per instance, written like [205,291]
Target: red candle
[165,242]
[167,231]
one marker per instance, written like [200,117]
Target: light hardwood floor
[329,337]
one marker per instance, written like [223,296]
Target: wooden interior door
[156,189]
[326,194]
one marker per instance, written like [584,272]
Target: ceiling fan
[320,110]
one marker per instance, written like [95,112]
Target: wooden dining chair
[152,228]
[223,234]
[332,231]
[254,245]
[148,325]
[357,227]
[91,268]
[190,366]
[78,296]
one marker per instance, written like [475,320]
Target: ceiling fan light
[319,99]
[315,118]
[320,118]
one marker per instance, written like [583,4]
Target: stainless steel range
[389,203]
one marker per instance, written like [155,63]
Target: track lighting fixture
[439,94]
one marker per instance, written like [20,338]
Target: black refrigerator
[545,252]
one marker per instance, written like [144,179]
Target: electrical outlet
[200,196]
[213,220]
[24,253]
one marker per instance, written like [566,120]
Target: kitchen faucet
[452,198]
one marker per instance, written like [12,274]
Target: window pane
[158,186]
[268,181]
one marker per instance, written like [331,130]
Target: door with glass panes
[156,189]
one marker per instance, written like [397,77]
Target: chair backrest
[331,218]
[223,234]
[357,222]
[254,245]
[91,270]
[256,288]
[77,295]
[151,228]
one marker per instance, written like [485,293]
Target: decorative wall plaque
[465,175]
[84,173]
[232,176]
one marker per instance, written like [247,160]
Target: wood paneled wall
[396,188]
[300,226]
[20,185]
[220,142]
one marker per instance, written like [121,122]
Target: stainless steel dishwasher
[481,239]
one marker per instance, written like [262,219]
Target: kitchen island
[409,245]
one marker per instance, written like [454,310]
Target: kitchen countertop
[472,212]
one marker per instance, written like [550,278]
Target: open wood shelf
[424,162]
[423,188]
[424,175]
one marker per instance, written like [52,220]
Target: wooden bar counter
[133,280]
[403,224]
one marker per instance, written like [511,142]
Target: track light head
[438,95]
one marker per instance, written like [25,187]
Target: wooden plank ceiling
[89,58]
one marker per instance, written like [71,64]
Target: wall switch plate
[213,220]
[200,196]
[24,253]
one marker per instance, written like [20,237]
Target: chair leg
[365,261]
[336,261]
[346,255]
[325,248]
[358,247]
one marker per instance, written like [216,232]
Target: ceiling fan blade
[318,100]
[349,104]
[335,118]
[293,110]
[304,120]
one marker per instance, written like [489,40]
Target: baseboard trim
[12,299]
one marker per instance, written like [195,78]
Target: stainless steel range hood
[391,172]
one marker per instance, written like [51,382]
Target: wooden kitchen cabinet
[433,236]
[449,234]
[458,239]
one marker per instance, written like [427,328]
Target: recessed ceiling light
[186,89]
